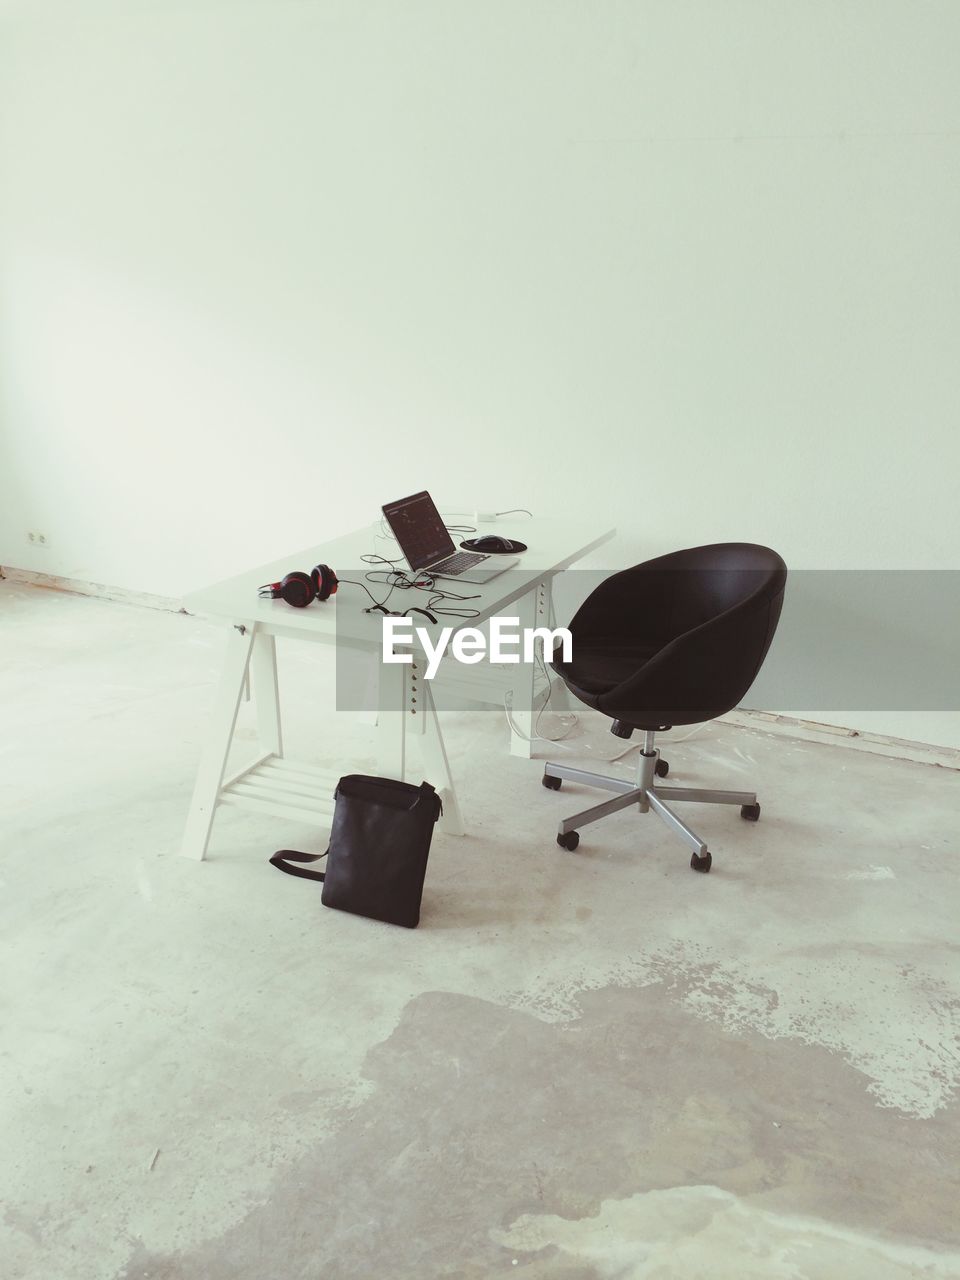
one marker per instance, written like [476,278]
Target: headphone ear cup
[297,589]
[324,581]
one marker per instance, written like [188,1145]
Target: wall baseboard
[76,587]
[836,736]
[768,721]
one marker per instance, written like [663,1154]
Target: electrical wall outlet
[38,539]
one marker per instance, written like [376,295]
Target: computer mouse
[492,544]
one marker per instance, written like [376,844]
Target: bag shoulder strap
[283,857]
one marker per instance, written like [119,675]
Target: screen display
[419,530]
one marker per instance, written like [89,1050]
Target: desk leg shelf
[283,789]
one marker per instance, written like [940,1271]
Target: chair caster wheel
[750,811]
[701,864]
[552,784]
[663,768]
[569,841]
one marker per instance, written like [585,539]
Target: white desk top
[554,544]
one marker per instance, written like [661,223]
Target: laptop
[426,543]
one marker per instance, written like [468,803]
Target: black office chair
[677,640]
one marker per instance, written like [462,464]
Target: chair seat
[678,639]
[600,664]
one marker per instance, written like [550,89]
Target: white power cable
[560,741]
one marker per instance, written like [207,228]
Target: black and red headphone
[299,589]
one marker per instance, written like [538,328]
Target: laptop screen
[419,530]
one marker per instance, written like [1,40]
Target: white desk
[271,783]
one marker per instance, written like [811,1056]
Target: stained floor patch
[668,1233]
[492,1141]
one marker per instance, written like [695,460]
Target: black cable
[398,579]
[377,604]
[372,557]
[438,594]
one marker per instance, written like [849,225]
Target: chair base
[648,797]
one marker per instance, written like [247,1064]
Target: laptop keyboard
[456,564]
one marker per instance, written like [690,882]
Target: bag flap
[387,791]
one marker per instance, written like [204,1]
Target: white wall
[264,265]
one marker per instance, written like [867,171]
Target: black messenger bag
[377,855]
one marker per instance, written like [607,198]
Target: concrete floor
[581,1065]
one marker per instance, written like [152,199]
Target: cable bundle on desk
[398,579]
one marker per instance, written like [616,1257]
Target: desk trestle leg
[213,760]
[437,766]
[266,692]
[407,712]
[522,710]
[560,699]
[392,714]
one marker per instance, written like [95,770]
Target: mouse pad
[510,548]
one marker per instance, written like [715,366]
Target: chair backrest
[709,614]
